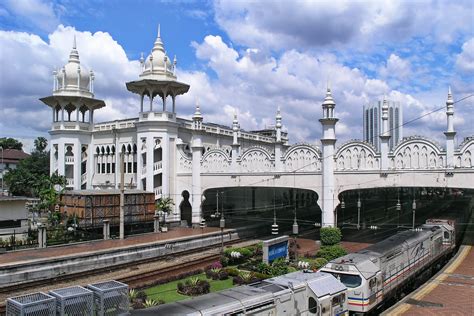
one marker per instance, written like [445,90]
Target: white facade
[13,217]
[179,158]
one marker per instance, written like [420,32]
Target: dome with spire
[73,78]
[158,65]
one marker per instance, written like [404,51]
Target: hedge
[330,236]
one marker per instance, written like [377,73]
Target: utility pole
[122,197]
[3,168]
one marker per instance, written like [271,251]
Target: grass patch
[168,291]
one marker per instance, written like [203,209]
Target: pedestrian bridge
[415,162]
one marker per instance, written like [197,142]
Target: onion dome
[158,63]
[73,78]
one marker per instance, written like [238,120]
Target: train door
[375,286]
[325,306]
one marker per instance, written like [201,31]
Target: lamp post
[3,168]
[359,204]
[222,224]
[398,208]
[275,225]
[413,207]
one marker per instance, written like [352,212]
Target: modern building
[372,122]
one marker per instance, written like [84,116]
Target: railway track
[160,275]
[72,276]
[138,280]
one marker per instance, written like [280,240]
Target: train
[384,270]
[356,284]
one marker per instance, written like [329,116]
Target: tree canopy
[10,143]
[31,177]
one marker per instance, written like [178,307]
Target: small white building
[13,217]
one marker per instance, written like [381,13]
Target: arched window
[312,305]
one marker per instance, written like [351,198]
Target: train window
[372,283]
[312,305]
[349,280]
[338,300]
[446,235]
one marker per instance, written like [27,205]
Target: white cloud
[333,24]
[465,60]
[27,64]
[396,67]
[37,13]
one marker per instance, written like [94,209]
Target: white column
[51,158]
[150,146]
[139,163]
[90,164]
[165,154]
[328,183]
[141,102]
[384,137]
[450,133]
[61,153]
[174,103]
[77,165]
[196,175]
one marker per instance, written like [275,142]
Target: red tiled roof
[13,155]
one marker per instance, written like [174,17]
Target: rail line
[72,276]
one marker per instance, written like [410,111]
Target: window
[338,300]
[348,280]
[446,235]
[312,305]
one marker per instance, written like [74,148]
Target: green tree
[10,143]
[31,177]
[164,205]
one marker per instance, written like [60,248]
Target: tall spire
[158,42]
[74,55]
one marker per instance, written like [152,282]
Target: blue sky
[248,57]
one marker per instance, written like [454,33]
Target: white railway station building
[170,156]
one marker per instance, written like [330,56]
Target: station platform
[449,292]
[86,248]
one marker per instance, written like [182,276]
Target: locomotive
[382,271]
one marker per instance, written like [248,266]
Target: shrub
[142,295]
[330,236]
[232,271]
[222,275]
[331,252]
[137,305]
[317,263]
[216,265]
[224,261]
[132,294]
[194,287]
[150,303]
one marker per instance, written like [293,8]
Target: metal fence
[74,301]
[111,298]
[35,304]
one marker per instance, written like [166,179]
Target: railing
[69,182]
[69,159]
[84,177]
[157,165]
[118,125]
[158,191]
[84,156]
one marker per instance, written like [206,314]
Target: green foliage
[330,236]
[244,251]
[165,205]
[232,271]
[31,177]
[331,252]
[278,267]
[10,143]
[317,263]
[150,303]
[132,294]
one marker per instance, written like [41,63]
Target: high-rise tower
[372,122]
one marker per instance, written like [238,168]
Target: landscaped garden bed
[238,266]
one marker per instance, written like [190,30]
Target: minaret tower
[385,136]
[278,142]
[157,129]
[235,142]
[450,133]
[196,148]
[72,105]
[328,141]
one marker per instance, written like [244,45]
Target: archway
[186,208]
